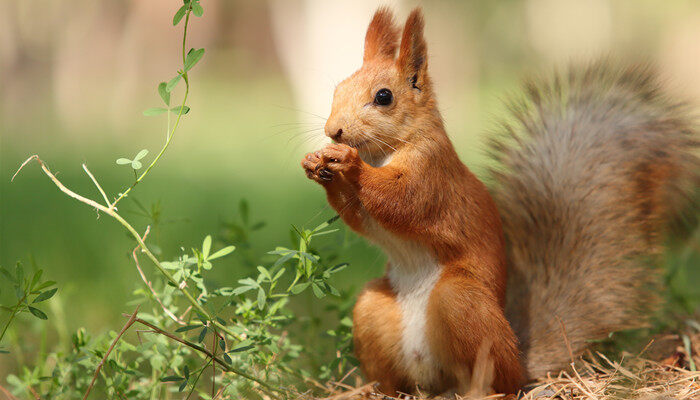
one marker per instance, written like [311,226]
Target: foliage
[236,337]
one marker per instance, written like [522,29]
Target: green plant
[236,336]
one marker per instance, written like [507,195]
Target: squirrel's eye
[383,97]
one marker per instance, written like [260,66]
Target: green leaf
[243,210]
[248,282]
[135,164]
[261,298]
[278,274]
[242,289]
[187,328]
[317,290]
[37,313]
[284,259]
[227,359]
[324,232]
[242,346]
[45,284]
[186,371]
[182,386]
[172,83]
[123,161]
[171,378]
[164,94]
[331,289]
[300,287]
[326,224]
[338,267]
[202,335]
[19,273]
[45,295]
[222,344]
[141,155]
[3,351]
[154,111]
[36,277]
[19,292]
[179,14]
[264,272]
[197,9]
[223,252]
[193,57]
[176,110]
[206,247]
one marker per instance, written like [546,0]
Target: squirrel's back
[592,167]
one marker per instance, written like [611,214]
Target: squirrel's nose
[334,133]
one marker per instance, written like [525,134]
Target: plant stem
[112,213]
[171,133]
[209,354]
[114,343]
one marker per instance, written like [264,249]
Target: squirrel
[592,165]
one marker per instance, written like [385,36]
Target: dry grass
[663,370]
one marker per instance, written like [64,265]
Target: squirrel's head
[389,99]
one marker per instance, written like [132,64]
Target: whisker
[301,111]
[380,140]
[373,139]
[391,137]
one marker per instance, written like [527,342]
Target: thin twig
[265,386]
[148,283]
[34,393]
[7,394]
[104,195]
[215,345]
[112,213]
[128,324]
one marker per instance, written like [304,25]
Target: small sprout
[135,163]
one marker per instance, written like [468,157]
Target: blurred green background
[75,79]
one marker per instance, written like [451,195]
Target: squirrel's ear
[413,57]
[382,36]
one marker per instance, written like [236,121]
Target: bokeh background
[75,77]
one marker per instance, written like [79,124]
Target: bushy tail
[592,167]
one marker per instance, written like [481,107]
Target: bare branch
[63,188]
[114,343]
[104,195]
[148,283]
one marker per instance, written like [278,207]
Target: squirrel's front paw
[323,165]
[338,157]
[314,168]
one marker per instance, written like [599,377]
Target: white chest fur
[413,273]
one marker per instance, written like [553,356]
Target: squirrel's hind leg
[471,338]
[377,336]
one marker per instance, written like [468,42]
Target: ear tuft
[382,35]
[412,59]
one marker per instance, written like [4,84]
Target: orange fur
[395,167]
[592,168]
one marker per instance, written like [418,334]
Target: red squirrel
[591,167]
